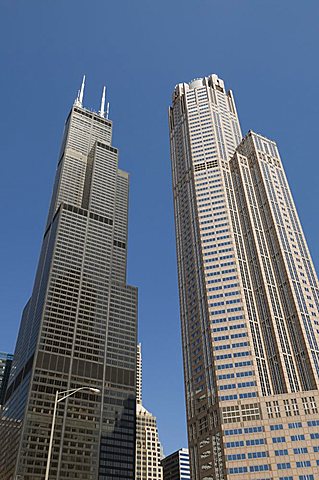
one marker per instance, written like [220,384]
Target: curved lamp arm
[69,393]
[66,394]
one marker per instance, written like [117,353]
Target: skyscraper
[148,447]
[5,367]
[248,297]
[176,465]
[79,326]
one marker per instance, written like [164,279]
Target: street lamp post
[65,394]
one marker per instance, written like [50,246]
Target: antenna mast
[102,108]
[79,99]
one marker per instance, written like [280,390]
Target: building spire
[102,108]
[82,91]
[79,99]
[107,109]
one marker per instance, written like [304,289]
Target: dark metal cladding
[79,326]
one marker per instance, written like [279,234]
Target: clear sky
[267,53]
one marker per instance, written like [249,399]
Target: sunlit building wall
[248,297]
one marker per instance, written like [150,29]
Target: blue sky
[266,52]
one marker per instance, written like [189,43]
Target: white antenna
[102,111]
[107,109]
[79,99]
[82,91]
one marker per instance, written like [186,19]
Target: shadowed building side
[5,368]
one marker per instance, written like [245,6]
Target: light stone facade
[139,374]
[248,297]
[148,447]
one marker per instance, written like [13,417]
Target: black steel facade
[5,368]
[79,326]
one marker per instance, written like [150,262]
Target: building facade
[5,367]
[79,326]
[176,465]
[139,374]
[248,297]
[148,447]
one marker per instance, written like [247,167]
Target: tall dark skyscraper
[79,326]
[248,294]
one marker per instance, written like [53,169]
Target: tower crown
[78,102]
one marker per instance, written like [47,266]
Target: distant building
[139,374]
[148,447]
[176,465]
[5,367]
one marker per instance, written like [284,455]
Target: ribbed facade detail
[248,296]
